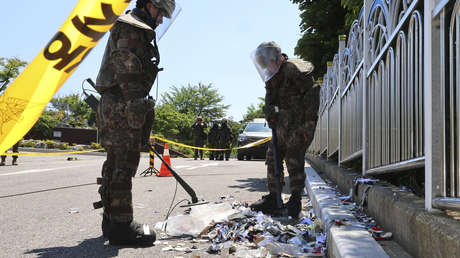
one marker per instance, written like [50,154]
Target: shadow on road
[93,247]
[258,185]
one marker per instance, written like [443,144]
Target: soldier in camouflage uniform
[125,115]
[199,136]
[291,106]
[213,141]
[225,140]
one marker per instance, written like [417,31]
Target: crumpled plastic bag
[198,220]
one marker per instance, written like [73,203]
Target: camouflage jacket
[292,91]
[198,130]
[127,62]
[225,135]
[213,136]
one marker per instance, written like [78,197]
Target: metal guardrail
[398,88]
[382,84]
[445,171]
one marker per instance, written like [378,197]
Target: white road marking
[203,166]
[39,170]
[183,166]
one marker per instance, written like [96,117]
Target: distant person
[15,157]
[225,140]
[291,107]
[199,136]
[213,140]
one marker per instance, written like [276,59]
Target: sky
[209,42]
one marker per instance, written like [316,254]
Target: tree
[172,124]
[194,100]
[43,128]
[353,8]
[75,111]
[254,112]
[9,69]
[322,21]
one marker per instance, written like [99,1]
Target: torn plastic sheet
[200,217]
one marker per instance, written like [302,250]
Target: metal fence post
[340,80]
[429,76]
[328,103]
[367,4]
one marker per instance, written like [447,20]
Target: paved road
[46,202]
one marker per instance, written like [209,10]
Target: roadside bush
[50,144]
[27,143]
[40,145]
[95,145]
[63,146]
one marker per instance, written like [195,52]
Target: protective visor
[267,61]
[163,28]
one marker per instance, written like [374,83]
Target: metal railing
[379,98]
[396,95]
[445,172]
[333,107]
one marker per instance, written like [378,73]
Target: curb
[419,232]
[343,241]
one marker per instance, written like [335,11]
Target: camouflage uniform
[199,137]
[292,91]
[124,115]
[213,140]
[225,137]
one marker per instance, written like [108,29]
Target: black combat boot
[130,233]
[15,161]
[267,204]
[294,205]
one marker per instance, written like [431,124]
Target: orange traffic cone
[164,171]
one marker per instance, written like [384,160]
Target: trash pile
[363,220]
[233,229]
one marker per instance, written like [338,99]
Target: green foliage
[171,124]
[195,100]
[322,21]
[27,143]
[95,145]
[180,107]
[50,144]
[75,111]
[353,8]
[63,146]
[9,69]
[43,128]
[254,112]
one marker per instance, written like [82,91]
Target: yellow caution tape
[250,145]
[46,153]
[25,99]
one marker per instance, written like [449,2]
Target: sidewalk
[420,233]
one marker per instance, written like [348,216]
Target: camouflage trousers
[292,145]
[122,136]
[224,154]
[198,142]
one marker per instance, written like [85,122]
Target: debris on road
[74,210]
[232,228]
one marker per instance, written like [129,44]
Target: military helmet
[167,6]
[266,52]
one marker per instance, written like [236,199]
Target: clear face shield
[163,28]
[267,60]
